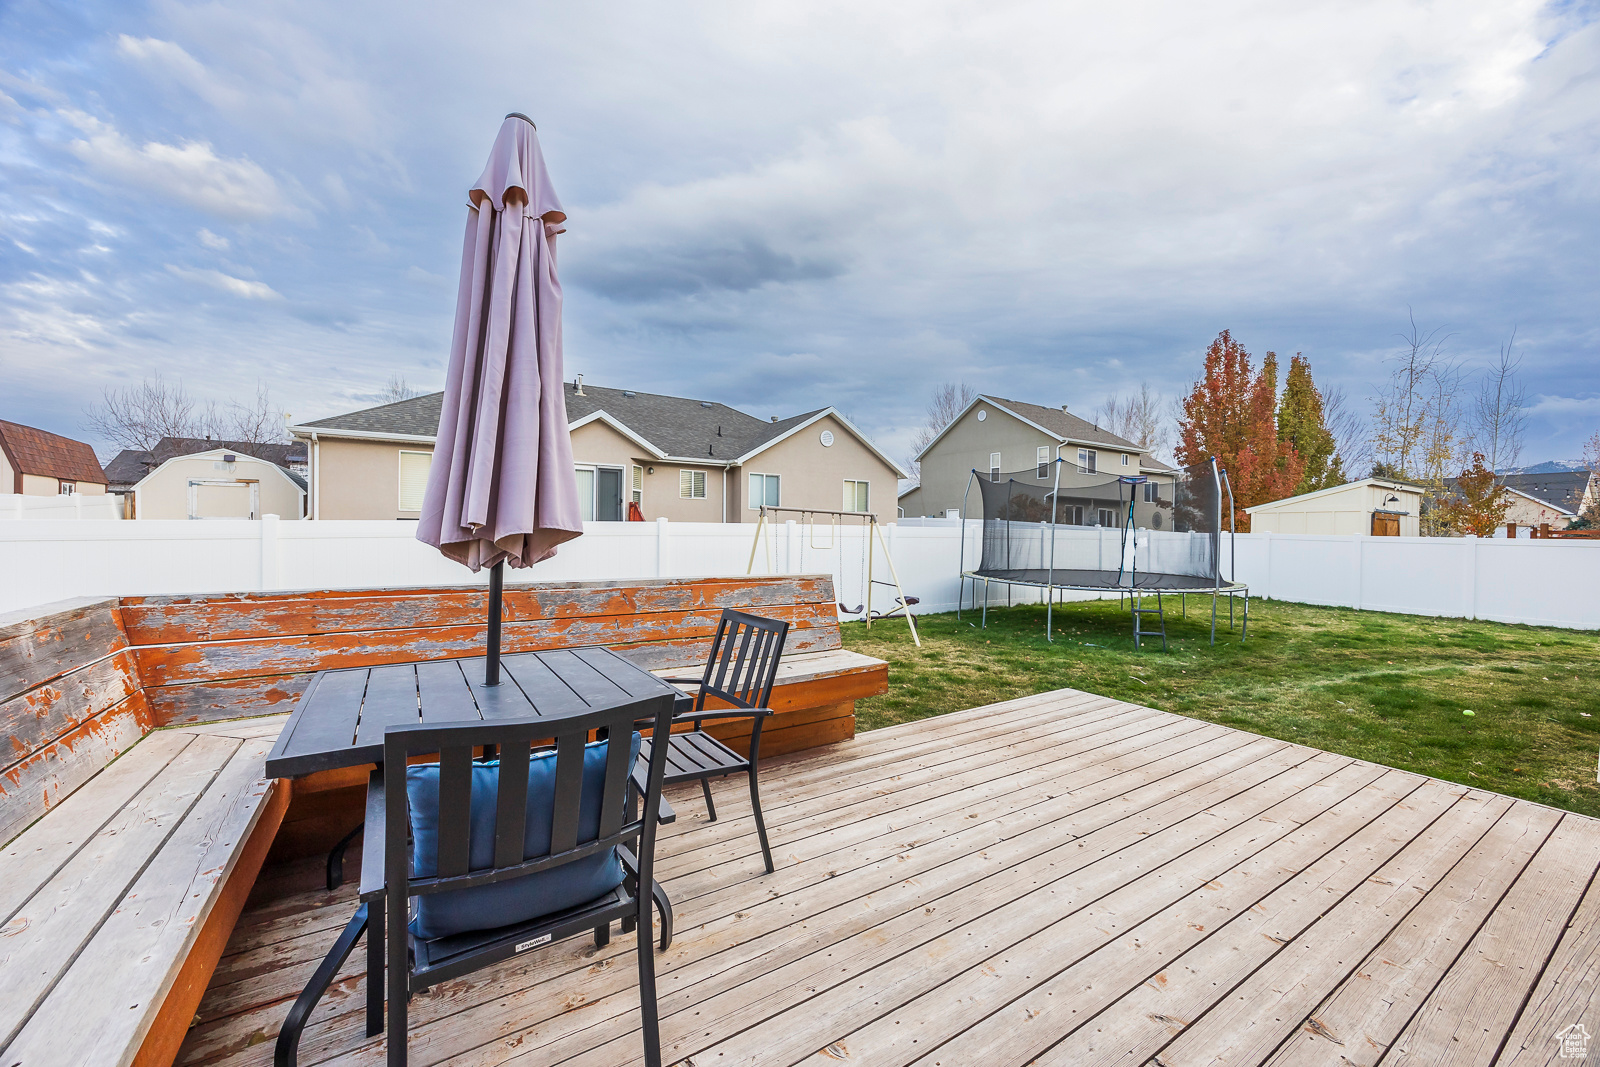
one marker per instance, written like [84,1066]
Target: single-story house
[1380,507]
[198,478]
[1557,498]
[996,436]
[641,455]
[36,462]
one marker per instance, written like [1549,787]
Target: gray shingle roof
[417,417]
[679,426]
[1065,424]
[1564,490]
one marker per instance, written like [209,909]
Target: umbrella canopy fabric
[502,485]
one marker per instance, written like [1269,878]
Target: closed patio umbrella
[502,488]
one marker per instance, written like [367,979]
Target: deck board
[1061,879]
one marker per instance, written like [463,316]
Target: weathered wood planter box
[173,839]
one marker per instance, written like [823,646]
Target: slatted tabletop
[340,720]
[1059,880]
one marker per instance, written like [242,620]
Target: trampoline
[1057,527]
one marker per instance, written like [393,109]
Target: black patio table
[339,721]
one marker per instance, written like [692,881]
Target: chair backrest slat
[511,805]
[455,810]
[569,791]
[614,799]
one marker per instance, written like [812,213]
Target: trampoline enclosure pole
[961,524]
[1050,580]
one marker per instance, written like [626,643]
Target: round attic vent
[982,414]
[827,438]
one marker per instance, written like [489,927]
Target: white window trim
[636,485]
[691,472]
[1124,459]
[755,505]
[1093,464]
[400,477]
[858,483]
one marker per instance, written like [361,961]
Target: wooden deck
[1062,879]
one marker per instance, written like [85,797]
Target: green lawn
[1386,688]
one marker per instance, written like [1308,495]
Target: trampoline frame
[1231,589]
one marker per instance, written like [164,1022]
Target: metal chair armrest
[372,839]
[684,681]
[722,713]
[641,773]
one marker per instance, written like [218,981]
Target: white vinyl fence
[51,508]
[1544,582]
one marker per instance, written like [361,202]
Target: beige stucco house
[1005,436]
[36,462]
[639,455]
[218,484]
[1373,506]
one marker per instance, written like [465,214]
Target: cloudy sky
[783,206]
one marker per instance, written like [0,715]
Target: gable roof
[1393,484]
[670,427]
[1565,490]
[1064,426]
[131,465]
[33,451]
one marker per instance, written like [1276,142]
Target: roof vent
[626,393]
[705,403]
[577,383]
[1063,407]
[774,418]
[230,459]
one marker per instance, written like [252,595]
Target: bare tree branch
[1500,412]
[1351,433]
[396,390]
[139,416]
[1143,417]
[948,401]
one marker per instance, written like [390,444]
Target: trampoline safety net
[1053,526]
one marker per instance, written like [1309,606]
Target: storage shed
[1380,507]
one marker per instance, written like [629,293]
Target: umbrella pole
[491,666]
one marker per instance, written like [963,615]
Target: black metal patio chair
[501,857]
[739,673]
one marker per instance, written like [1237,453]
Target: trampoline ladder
[1138,621]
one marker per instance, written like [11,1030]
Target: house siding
[359,479]
[812,475]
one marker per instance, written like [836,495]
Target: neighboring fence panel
[54,508]
[1546,582]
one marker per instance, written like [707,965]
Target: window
[763,490]
[994,467]
[692,484]
[414,467]
[1152,492]
[1041,459]
[637,495]
[68,488]
[1072,514]
[855,495]
[1086,460]
[599,493]
[1106,517]
[1124,459]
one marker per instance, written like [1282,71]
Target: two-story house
[637,455]
[995,436]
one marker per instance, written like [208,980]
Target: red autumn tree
[1479,503]
[1232,413]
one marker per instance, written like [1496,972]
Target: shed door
[1385,525]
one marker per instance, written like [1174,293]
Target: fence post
[1267,535]
[269,552]
[1472,576]
[1361,566]
[661,547]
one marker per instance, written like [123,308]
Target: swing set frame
[873,530]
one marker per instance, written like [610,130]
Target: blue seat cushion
[521,899]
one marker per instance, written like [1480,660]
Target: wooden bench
[124,863]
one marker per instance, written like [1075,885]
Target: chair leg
[288,1047]
[649,1025]
[711,809]
[664,907]
[761,826]
[602,936]
[375,948]
[336,857]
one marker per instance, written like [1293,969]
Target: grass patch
[1385,688]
